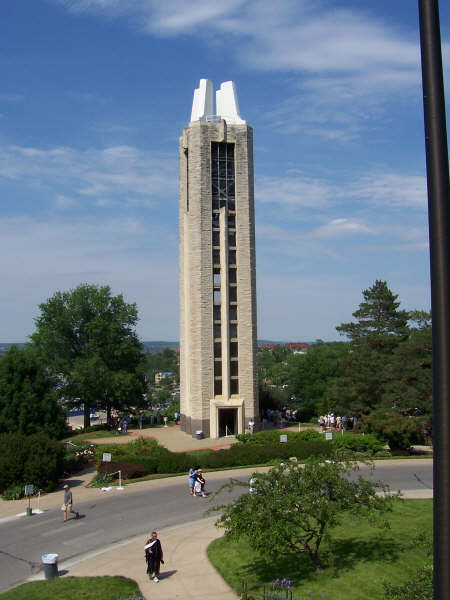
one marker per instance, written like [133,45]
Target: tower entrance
[227,421]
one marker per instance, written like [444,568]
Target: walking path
[171,437]
[186,573]
[184,546]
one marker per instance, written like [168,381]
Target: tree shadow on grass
[337,556]
[345,554]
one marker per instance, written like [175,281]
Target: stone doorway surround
[233,402]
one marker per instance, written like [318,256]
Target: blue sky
[94,95]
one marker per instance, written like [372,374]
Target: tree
[87,337]
[379,320]
[381,327]
[310,374]
[162,361]
[28,402]
[295,506]
[409,374]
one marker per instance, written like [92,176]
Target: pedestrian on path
[68,504]
[199,484]
[192,473]
[153,556]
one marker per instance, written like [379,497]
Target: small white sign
[329,436]
[106,457]
[29,490]
[283,438]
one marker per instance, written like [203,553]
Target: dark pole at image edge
[439,221]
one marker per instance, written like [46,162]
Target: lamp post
[439,224]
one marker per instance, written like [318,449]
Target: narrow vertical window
[186,154]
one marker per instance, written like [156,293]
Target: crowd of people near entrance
[336,422]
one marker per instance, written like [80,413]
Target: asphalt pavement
[111,522]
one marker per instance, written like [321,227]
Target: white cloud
[347,62]
[117,172]
[299,191]
[392,189]
[341,227]
[382,188]
[40,257]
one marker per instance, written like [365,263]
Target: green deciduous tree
[87,337]
[311,373]
[292,507]
[28,402]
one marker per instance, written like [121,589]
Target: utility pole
[439,222]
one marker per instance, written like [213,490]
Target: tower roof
[227,107]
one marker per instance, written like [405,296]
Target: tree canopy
[87,337]
[387,363]
[379,321]
[28,402]
[294,506]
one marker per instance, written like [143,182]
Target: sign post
[29,491]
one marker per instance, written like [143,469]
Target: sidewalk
[186,562]
[187,572]
[171,437]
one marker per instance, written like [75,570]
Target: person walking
[153,556]
[68,504]
[199,484]
[192,474]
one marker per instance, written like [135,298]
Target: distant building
[297,347]
[162,375]
[218,374]
[270,347]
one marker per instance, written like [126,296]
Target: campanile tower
[218,375]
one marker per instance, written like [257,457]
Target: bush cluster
[272,436]
[368,443]
[399,432]
[33,459]
[145,457]
[77,456]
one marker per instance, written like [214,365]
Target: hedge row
[30,459]
[157,459]
[369,443]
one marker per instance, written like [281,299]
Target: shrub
[359,443]
[14,492]
[309,435]
[129,470]
[101,480]
[399,432]
[272,436]
[77,455]
[419,587]
[34,459]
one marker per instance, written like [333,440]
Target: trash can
[50,562]
[199,434]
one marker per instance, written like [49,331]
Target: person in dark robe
[153,556]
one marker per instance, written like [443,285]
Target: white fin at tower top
[203,103]
[227,106]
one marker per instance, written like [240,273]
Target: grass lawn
[75,588]
[358,558]
[91,435]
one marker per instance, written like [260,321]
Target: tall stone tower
[218,375]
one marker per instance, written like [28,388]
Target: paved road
[117,516]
